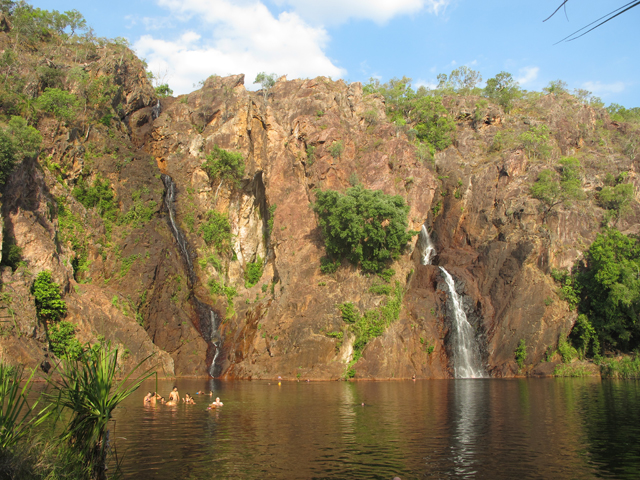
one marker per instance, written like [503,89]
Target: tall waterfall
[208,319]
[466,354]
[426,246]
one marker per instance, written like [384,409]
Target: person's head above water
[175,389]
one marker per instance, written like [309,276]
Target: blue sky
[185,41]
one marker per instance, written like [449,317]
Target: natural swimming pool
[484,428]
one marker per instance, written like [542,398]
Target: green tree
[163,90]
[503,89]
[26,138]
[59,103]
[223,165]
[617,199]
[608,280]
[432,122]
[462,80]
[367,227]
[535,142]
[555,188]
[266,83]
[49,304]
[7,156]
[556,87]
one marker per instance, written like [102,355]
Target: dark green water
[497,429]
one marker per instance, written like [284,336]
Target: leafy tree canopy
[557,187]
[367,227]
[608,282]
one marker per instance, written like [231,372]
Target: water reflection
[483,428]
[469,398]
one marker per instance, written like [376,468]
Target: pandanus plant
[88,388]
[17,416]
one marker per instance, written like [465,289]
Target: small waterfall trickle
[208,319]
[466,354]
[426,246]
[156,110]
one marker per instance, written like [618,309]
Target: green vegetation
[336,149]
[605,288]
[59,103]
[18,415]
[216,231]
[421,110]
[72,230]
[609,288]
[624,367]
[218,288]
[11,253]
[84,395]
[272,218]
[253,272]
[163,90]
[559,187]
[99,195]
[139,214]
[266,82]
[371,324]
[17,142]
[616,196]
[63,342]
[88,389]
[223,165]
[380,289]
[367,227]
[535,142]
[503,90]
[49,304]
[521,353]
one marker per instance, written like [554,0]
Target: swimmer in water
[188,399]
[217,403]
[174,396]
[147,398]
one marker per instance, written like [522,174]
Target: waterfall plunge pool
[476,428]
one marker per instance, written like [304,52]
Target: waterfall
[427,248]
[156,110]
[208,319]
[169,199]
[466,354]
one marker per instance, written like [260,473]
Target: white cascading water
[208,320]
[466,355]
[427,248]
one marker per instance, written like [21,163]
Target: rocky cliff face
[140,290]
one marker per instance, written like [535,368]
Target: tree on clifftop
[266,82]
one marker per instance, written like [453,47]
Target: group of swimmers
[174,399]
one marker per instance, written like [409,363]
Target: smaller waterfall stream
[426,246]
[466,355]
[208,319]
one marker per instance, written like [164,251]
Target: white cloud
[599,88]
[333,12]
[527,75]
[244,38]
[426,84]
